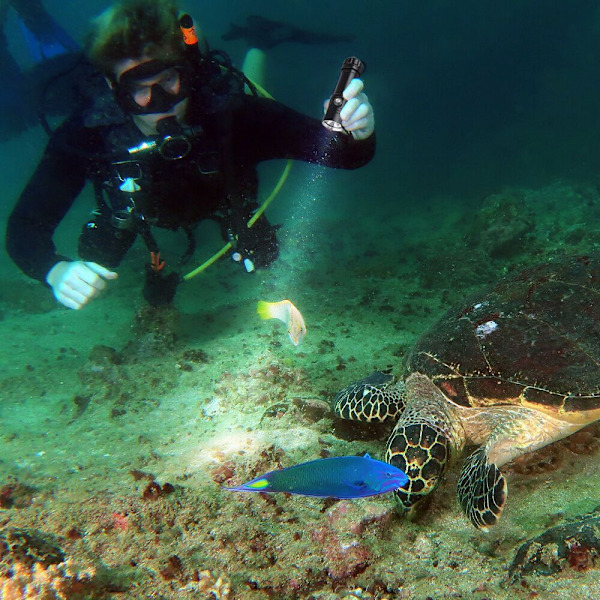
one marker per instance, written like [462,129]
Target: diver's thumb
[102,271]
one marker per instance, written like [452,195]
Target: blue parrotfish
[337,477]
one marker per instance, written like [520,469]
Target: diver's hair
[135,29]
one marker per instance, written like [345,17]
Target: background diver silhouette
[49,85]
[264,34]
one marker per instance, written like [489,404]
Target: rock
[28,547]
[103,356]
[575,544]
[343,559]
[156,331]
[313,409]
[503,225]
[16,495]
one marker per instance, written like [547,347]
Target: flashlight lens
[333,125]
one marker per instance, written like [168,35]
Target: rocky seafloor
[120,423]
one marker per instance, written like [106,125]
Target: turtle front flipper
[374,398]
[423,442]
[481,490]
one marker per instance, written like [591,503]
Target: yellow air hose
[261,209]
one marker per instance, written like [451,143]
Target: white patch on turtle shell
[485,329]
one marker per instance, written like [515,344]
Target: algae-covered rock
[575,544]
[28,547]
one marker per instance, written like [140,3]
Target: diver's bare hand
[75,283]
[357,115]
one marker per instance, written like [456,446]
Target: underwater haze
[120,424]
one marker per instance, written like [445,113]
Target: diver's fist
[357,115]
[75,283]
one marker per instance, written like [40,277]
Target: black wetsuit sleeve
[50,193]
[264,129]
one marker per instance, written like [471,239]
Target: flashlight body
[194,42]
[352,68]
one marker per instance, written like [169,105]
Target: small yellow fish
[284,311]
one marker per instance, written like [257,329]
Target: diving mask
[152,87]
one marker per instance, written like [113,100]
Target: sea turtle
[510,370]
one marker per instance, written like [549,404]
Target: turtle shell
[533,339]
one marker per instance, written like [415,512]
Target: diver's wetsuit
[226,148]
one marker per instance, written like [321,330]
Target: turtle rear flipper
[374,398]
[481,490]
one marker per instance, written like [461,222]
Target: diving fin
[54,41]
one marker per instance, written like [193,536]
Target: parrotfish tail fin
[48,41]
[261,484]
[263,310]
[237,488]
[274,310]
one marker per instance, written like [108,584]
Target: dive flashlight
[352,68]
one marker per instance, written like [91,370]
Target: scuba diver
[173,139]
[52,52]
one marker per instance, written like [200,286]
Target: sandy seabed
[119,423]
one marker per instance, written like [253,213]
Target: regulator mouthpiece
[352,68]
[172,145]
